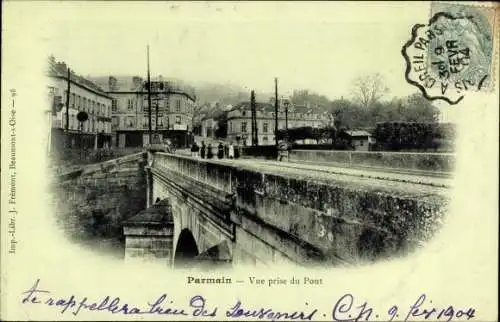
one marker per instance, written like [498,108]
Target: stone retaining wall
[93,204]
[439,162]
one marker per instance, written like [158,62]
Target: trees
[418,109]
[348,115]
[303,96]
[368,89]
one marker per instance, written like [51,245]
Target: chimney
[62,67]
[137,82]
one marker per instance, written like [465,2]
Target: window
[130,121]
[145,122]
[178,105]
[73,100]
[114,105]
[114,122]
[130,104]
[78,101]
[265,127]
[178,119]
[243,127]
[244,113]
[361,142]
[167,104]
[93,107]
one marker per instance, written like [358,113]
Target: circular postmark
[448,57]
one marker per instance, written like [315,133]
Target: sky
[317,46]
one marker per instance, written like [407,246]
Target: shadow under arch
[186,250]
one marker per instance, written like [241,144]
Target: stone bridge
[223,212]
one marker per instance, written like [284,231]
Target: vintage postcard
[249,161]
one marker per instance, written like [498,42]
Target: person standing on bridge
[236,151]
[220,151]
[230,151]
[210,153]
[194,150]
[203,149]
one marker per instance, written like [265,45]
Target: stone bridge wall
[436,162]
[281,217]
[91,204]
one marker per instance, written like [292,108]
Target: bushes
[397,136]
[306,132]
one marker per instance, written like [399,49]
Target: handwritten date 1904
[345,310]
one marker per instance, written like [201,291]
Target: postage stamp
[453,53]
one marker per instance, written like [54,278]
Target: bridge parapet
[340,220]
[216,175]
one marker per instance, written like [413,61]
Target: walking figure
[210,154]
[230,152]
[220,151]
[194,150]
[284,151]
[203,149]
[236,149]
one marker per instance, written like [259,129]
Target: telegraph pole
[149,103]
[68,141]
[254,119]
[276,110]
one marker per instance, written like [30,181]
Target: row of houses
[68,98]
[118,113]
[117,109]
[239,121]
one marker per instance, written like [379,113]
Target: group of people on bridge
[223,151]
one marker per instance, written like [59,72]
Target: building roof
[213,114]
[357,133]
[268,107]
[60,69]
[137,84]
[123,84]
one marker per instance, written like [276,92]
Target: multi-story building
[172,107]
[83,96]
[239,127]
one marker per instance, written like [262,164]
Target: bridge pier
[149,235]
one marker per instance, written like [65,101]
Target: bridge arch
[186,249]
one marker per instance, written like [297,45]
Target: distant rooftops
[357,133]
[268,107]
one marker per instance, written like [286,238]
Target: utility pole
[254,119]
[276,110]
[149,103]
[68,141]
